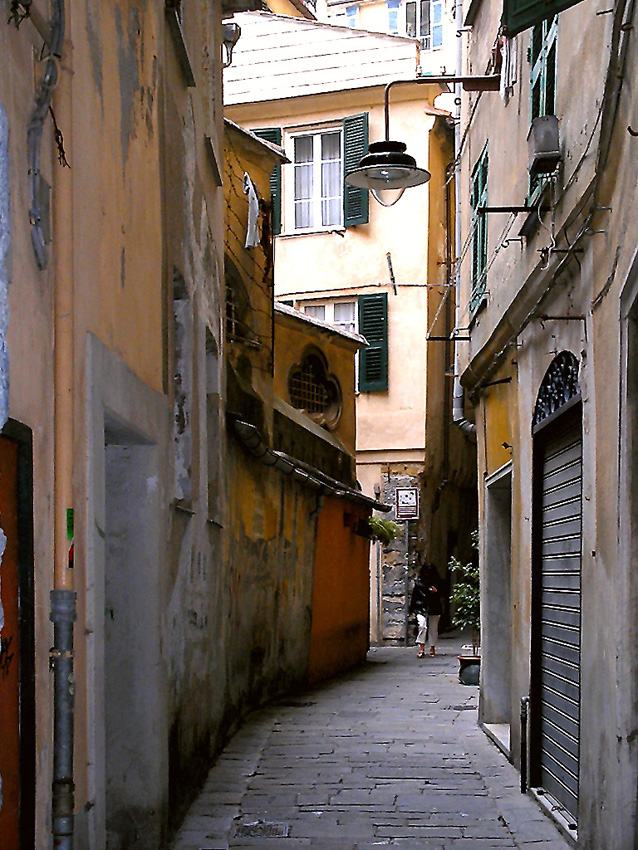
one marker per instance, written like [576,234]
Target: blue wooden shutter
[519,15]
[373,325]
[355,146]
[273,134]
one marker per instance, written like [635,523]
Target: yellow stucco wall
[117,215]
[253,266]
[285,7]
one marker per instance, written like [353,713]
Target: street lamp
[387,170]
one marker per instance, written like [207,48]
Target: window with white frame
[366,315]
[341,314]
[310,195]
[393,16]
[424,20]
[317,190]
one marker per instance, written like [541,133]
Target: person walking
[425,602]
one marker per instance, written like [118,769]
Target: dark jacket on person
[419,599]
[426,598]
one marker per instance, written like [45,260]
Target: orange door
[9,650]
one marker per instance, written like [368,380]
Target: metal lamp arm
[489,82]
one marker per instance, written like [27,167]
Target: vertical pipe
[458,412]
[63,596]
[406,625]
[524,719]
[63,350]
[379,596]
[63,788]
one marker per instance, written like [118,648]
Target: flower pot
[469,666]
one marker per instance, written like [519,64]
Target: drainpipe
[63,613]
[524,722]
[458,410]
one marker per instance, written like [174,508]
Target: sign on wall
[406,502]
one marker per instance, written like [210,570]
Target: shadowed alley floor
[389,755]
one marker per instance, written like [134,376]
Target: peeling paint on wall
[128,64]
[93,28]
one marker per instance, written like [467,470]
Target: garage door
[558,625]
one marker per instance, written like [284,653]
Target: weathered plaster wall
[270,559]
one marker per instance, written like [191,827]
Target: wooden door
[9,648]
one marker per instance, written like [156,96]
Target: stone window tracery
[314,391]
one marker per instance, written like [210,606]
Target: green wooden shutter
[355,146]
[273,134]
[478,198]
[519,15]
[373,325]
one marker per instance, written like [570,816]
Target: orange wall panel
[341,587]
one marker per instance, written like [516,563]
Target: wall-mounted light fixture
[230,36]
[387,170]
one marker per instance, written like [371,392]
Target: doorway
[496,605]
[17,664]
[556,586]
[133,705]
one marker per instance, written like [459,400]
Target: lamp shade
[386,170]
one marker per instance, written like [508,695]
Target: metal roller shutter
[560,595]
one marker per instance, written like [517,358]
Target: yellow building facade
[388,263]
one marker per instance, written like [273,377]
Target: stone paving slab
[387,757]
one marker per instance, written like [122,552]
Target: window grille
[307,389]
[314,391]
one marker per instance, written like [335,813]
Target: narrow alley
[389,755]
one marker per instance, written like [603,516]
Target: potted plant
[467,613]
[384,530]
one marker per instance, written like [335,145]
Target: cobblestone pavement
[389,755]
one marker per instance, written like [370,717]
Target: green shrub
[466,593]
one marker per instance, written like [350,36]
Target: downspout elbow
[458,411]
[458,396]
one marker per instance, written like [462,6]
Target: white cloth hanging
[252,229]
[509,71]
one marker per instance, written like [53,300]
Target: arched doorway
[556,584]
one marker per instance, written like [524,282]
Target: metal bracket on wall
[430,338]
[524,208]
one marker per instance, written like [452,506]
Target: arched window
[312,389]
[559,387]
